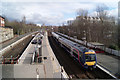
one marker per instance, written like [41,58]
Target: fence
[11,60]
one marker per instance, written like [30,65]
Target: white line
[106,71]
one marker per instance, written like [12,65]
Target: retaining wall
[6,34]
[2,51]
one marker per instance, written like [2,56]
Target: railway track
[71,66]
[16,51]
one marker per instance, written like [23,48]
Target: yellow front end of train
[90,59]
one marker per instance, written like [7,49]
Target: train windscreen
[90,57]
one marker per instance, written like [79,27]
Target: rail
[2,51]
[90,45]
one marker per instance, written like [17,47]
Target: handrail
[11,60]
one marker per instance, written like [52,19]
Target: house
[6,32]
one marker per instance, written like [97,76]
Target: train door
[81,57]
[71,52]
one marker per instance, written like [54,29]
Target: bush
[114,47]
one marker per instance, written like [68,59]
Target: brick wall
[2,22]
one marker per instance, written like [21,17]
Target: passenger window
[75,53]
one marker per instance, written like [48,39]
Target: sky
[52,12]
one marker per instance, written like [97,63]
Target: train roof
[76,45]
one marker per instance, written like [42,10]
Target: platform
[110,63]
[48,68]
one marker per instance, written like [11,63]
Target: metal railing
[11,60]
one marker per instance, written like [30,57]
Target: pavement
[110,63]
[48,68]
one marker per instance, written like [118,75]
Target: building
[6,32]
[2,21]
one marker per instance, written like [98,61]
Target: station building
[6,32]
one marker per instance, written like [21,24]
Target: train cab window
[90,57]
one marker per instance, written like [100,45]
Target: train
[86,57]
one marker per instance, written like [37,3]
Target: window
[90,57]
[75,53]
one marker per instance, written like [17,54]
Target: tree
[102,11]
[82,12]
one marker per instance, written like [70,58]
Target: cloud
[51,12]
[48,20]
[60,1]
[113,12]
[94,13]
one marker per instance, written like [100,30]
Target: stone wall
[6,34]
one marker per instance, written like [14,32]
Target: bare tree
[96,29]
[102,11]
[82,12]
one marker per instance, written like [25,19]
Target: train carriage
[85,56]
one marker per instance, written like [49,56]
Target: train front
[90,59]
